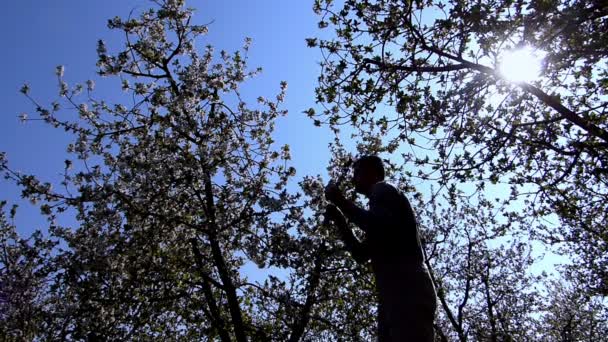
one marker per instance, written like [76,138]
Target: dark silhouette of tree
[178,187]
[425,76]
[173,191]
[573,316]
[482,274]
[23,279]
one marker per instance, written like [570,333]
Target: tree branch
[386,67]
[313,283]
[550,101]
[486,282]
[444,303]
[216,317]
[220,262]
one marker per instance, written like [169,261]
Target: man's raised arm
[356,248]
[377,215]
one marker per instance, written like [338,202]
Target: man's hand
[333,214]
[332,192]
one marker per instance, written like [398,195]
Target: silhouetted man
[407,303]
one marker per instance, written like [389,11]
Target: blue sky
[39,35]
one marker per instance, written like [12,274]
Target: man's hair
[373,163]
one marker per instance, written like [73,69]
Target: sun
[521,65]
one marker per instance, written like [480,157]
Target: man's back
[394,235]
[406,294]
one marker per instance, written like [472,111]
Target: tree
[173,192]
[482,274]
[574,316]
[424,76]
[24,271]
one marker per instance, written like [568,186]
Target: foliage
[502,169]
[24,273]
[481,271]
[423,75]
[574,316]
[174,193]
[180,188]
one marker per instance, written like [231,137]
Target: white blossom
[59,70]
[90,85]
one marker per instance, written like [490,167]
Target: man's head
[367,171]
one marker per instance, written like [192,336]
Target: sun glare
[521,65]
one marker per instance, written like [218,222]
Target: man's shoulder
[386,194]
[383,189]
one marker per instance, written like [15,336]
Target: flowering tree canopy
[430,79]
[503,165]
[177,189]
